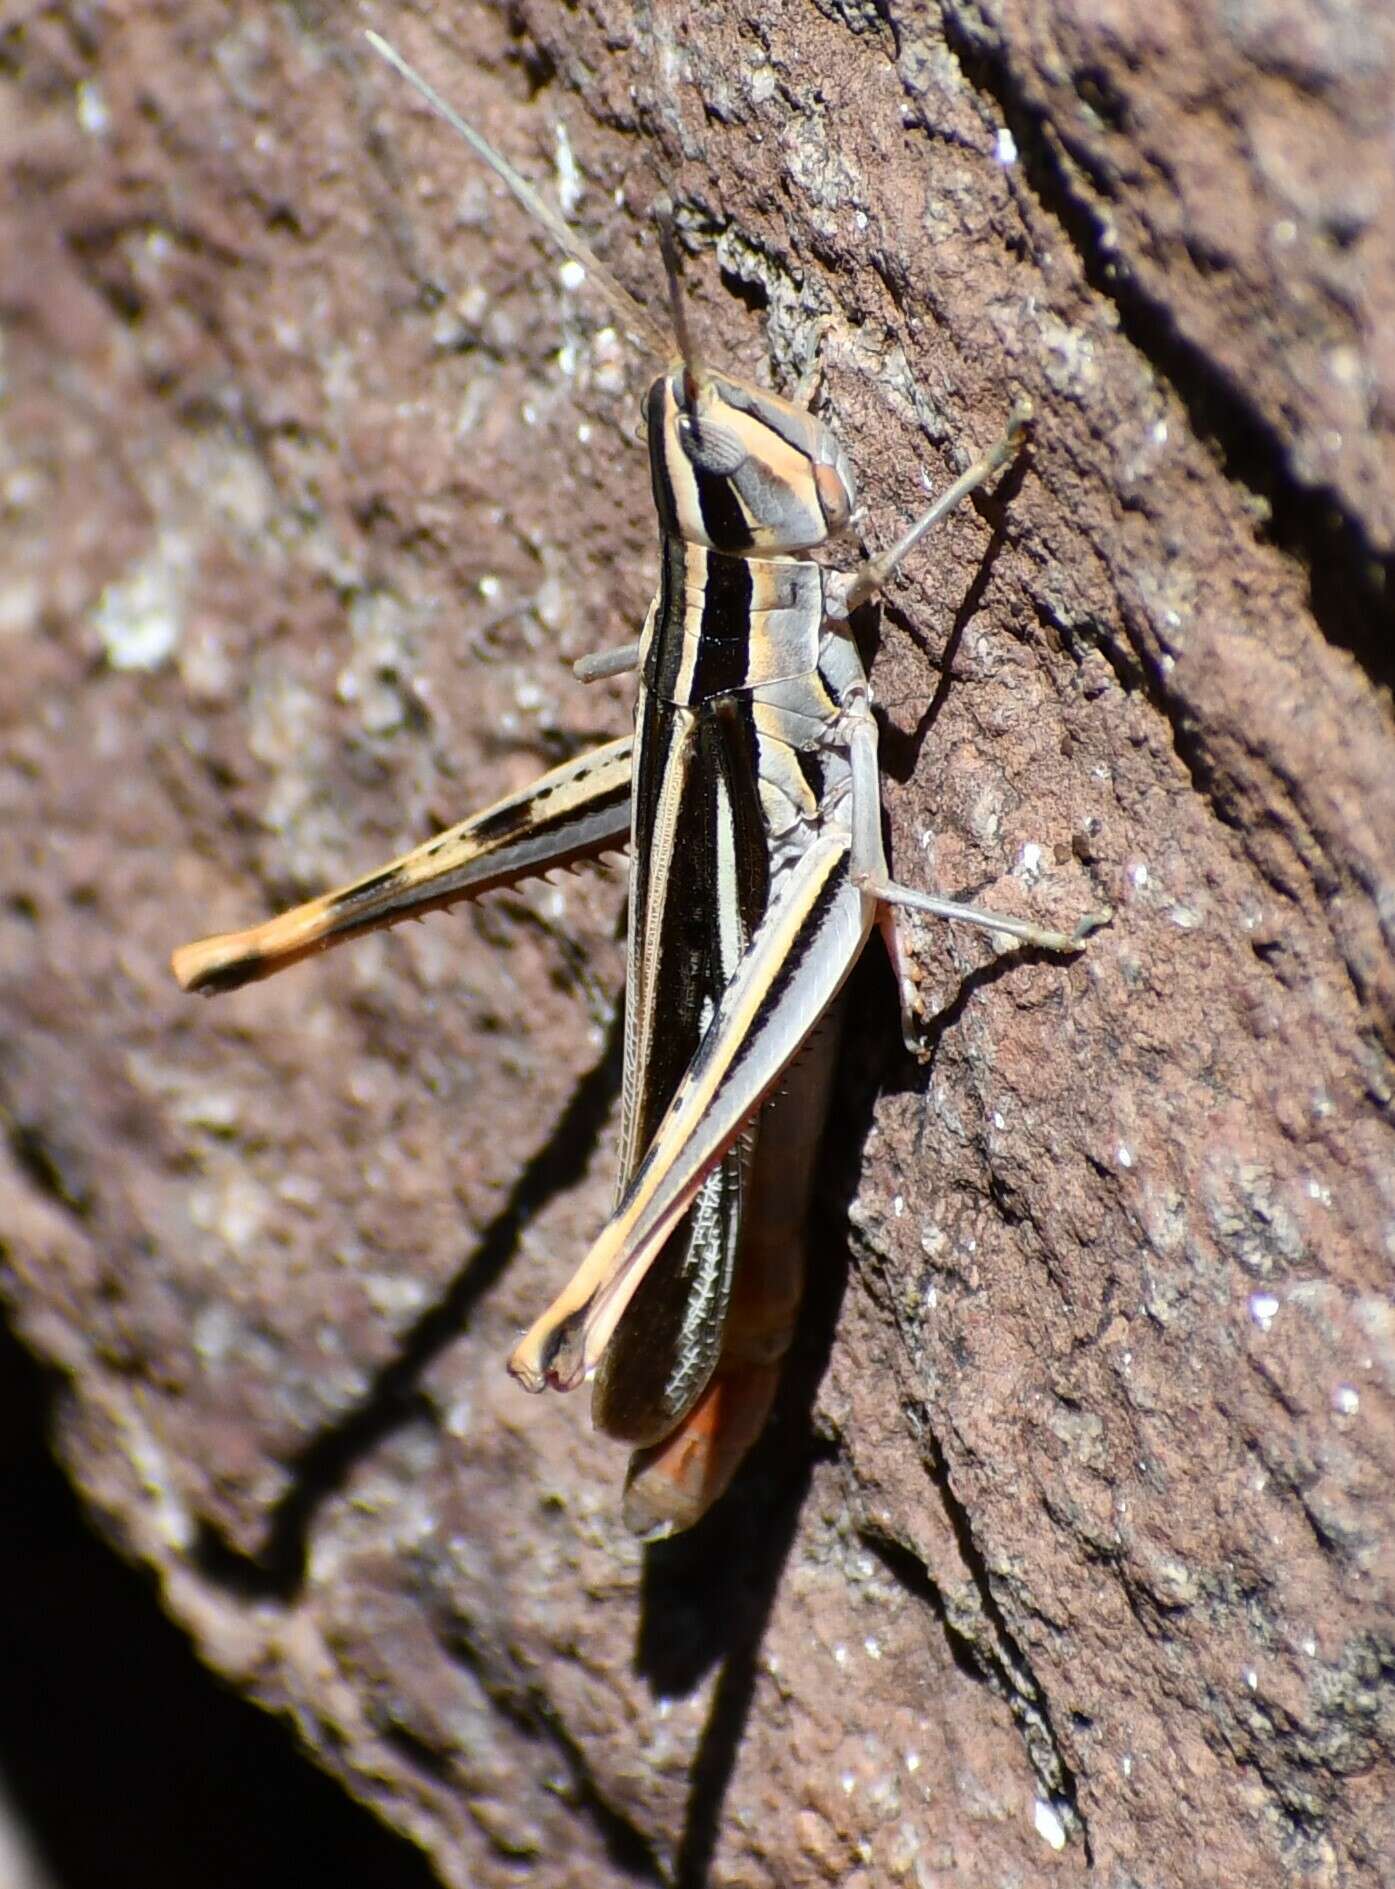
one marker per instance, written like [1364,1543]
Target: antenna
[694,373]
[636,319]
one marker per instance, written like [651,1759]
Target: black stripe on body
[722,516]
[663,659]
[724,652]
[664,502]
[722,659]
[729,747]
[688,977]
[667,1345]
[674,970]
[807,937]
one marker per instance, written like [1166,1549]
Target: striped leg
[577,811]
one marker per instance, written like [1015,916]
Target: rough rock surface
[1069,1554]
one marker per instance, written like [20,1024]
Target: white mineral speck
[1345,1401]
[138,618]
[218,1109]
[20,603]
[1005,146]
[1263,1309]
[569,182]
[1049,1826]
[300,1190]
[92,113]
[214,1332]
[168,1513]
[241,1212]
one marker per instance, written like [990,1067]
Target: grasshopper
[749,796]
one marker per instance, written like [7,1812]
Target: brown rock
[1071,1544]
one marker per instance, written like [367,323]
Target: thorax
[722,625]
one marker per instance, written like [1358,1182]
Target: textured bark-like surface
[1069,1554]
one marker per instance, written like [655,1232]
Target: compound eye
[834,500]
[710,446]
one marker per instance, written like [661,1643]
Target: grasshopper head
[741,470]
